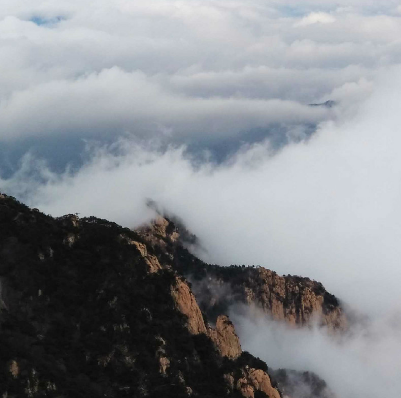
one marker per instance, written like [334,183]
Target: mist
[327,207]
[363,363]
[202,107]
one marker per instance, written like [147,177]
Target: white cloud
[114,101]
[173,72]
[364,363]
[316,17]
[327,208]
[195,49]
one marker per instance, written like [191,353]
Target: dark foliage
[82,316]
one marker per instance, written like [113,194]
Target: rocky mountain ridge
[89,308]
[296,300]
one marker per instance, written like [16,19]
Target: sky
[204,107]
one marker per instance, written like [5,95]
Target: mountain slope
[91,309]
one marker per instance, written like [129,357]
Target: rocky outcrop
[256,380]
[225,338]
[150,259]
[186,303]
[296,300]
[159,232]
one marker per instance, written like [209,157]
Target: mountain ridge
[89,308]
[296,300]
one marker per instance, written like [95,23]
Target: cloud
[369,6]
[114,101]
[152,89]
[84,69]
[326,208]
[364,363]
[316,17]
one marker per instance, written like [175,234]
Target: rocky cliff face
[296,300]
[225,339]
[91,309]
[186,303]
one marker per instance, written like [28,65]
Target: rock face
[91,309]
[295,300]
[151,260]
[225,338]
[185,302]
[256,380]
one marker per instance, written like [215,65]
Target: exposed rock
[70,239]
[70,220]
[230,380]
[161,227]
[253,380]
[14,368]
[158,232]
[161,354]
[245,388]
[186,303]
[296,300]
[261,382]
[225,338]
[163,231]
[299,301]
[164,365]
[150,259]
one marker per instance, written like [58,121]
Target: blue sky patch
[289,11]
[43,21]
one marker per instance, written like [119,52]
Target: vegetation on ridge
[82,315]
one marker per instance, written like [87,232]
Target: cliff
[296,300]
[91,309]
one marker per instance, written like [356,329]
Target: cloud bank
[327,207]
[189,69]
[144,94]
[363,364]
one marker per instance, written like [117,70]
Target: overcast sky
[192,72]
[203,106]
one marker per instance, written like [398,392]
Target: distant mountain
[91,309]
[327,104]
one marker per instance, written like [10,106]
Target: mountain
[327,104]
[293,299]
[91,309]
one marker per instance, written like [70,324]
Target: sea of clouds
[203,107]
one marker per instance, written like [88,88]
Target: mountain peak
[93,309]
